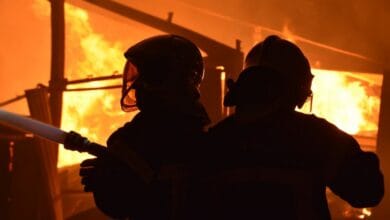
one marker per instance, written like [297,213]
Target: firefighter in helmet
[268,135]
[161,79]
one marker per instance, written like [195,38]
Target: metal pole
[12,100]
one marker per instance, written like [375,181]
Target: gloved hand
[103,173]
[117,190]
[91,174]
[74,141]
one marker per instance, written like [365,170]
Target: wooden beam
[57,80]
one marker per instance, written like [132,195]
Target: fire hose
[82,144]
[49,132]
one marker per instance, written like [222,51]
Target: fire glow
[349,100]
[95,113]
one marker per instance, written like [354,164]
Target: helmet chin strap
[311,98]
[311,103]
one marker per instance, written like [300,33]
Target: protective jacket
[155,144]
[278,166]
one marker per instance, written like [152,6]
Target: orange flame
[346,101]
[351,101]
[96,113]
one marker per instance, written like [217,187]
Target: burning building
[350,86]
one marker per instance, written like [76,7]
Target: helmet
[163,67]
[255,85]
[287,60]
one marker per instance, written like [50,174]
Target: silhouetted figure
[274,162]
[161,79]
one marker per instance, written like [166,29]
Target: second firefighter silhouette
[274,162]
[161,79]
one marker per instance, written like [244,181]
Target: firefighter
[275,162]
[161,79]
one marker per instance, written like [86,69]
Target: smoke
[25,51]
[357,26]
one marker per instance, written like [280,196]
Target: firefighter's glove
[102,173]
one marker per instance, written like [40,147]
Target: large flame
[349,100]
[96,113]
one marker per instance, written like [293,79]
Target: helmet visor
[130,75]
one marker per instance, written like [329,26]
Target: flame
[346,100]
[96,113]
[357,213]
[367,212]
